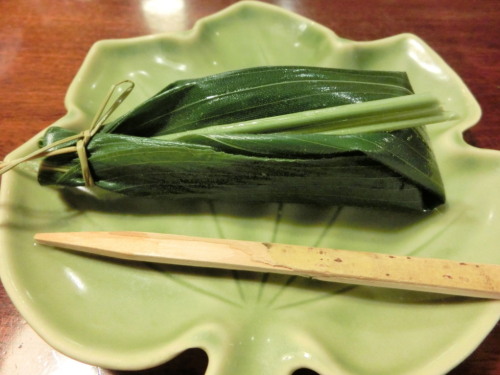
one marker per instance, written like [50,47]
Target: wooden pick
[343,266]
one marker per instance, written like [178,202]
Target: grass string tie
[83,138]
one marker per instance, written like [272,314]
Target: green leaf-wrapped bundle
[272,134]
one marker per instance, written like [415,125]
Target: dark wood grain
[43,43]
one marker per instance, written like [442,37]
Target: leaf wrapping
[177,145]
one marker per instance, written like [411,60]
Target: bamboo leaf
[336,174]
[255,93]
[380,115]
[406,152]
[281,134]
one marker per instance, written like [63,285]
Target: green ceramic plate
[132,315]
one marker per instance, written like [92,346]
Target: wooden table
[43,42]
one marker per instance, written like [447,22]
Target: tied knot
[82,139]
[81,150]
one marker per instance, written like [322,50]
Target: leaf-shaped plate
[131,315]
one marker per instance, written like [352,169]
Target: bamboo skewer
[344,266]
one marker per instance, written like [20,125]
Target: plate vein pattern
[289,281]
[439,232]
[183,282]
[220,234]
[334,215]
[265,276]
[253,289]
[317,298]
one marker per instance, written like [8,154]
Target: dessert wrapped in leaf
[269,134]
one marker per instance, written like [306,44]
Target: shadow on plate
[305,214]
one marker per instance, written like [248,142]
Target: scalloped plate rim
[491,312]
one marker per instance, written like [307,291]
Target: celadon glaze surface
[127,315]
